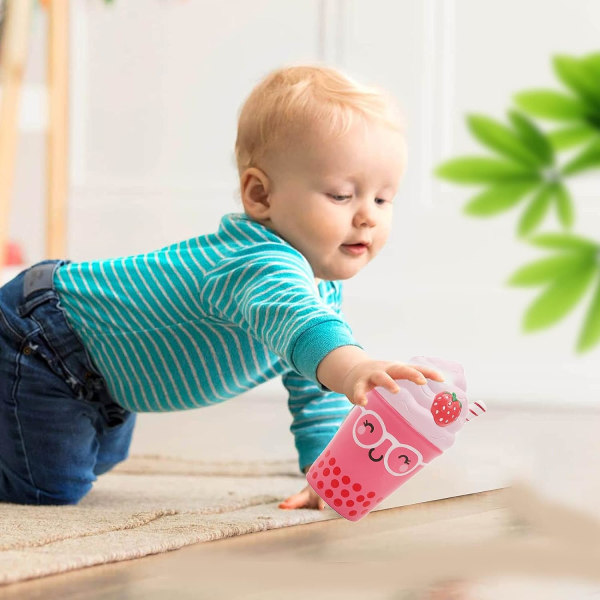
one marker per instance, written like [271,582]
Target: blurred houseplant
[533,169]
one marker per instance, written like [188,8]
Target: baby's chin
[337,273]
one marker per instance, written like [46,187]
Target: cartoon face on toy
[398,459]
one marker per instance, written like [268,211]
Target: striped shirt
[203,320]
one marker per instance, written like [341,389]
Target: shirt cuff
[310,447]
[313,345]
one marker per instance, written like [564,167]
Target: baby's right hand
[368,374]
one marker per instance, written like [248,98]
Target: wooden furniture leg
[13,59]
[58,133]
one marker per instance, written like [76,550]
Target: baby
[85,346]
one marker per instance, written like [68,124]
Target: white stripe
[192,254]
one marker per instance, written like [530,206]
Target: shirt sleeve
[269,290]
[316,416]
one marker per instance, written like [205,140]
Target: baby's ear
[254,187]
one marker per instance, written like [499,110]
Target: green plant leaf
[589,158]
[552,105]
[568,242]
[564,205]
[589,335]
[502,139]
[575,74]
[592,62]
[536,211]
[498,198]
[545,270]
[477,169]
[560,297]
[567,137]
[532,137]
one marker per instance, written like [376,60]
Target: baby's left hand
[307,498]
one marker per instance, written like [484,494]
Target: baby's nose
[365,214]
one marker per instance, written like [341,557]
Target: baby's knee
[27,494]
[64,495]
[104,467]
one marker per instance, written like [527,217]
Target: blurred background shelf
[35,108]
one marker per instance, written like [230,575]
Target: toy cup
[379,447]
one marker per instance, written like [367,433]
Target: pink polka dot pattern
[338,490]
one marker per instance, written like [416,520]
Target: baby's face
[328,196]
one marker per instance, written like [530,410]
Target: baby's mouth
[354,249]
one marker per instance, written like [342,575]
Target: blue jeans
[59,427]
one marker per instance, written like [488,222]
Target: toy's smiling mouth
[371,456]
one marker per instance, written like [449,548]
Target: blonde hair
[293,99]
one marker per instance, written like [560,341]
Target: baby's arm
[350,371]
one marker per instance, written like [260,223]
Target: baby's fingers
[384,380]
[377,378]
[428,372]
[414,374]
[359,393]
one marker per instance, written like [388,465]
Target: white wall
[156,87]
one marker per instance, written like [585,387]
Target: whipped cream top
[414,401]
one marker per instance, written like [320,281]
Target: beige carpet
[149,505]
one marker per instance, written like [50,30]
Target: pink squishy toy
[379,447]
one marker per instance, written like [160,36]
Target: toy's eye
[403,463]
[369,431]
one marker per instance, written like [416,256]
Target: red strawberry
[445,408]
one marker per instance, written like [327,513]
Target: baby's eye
[367,424]
[380,201]
[340,197]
